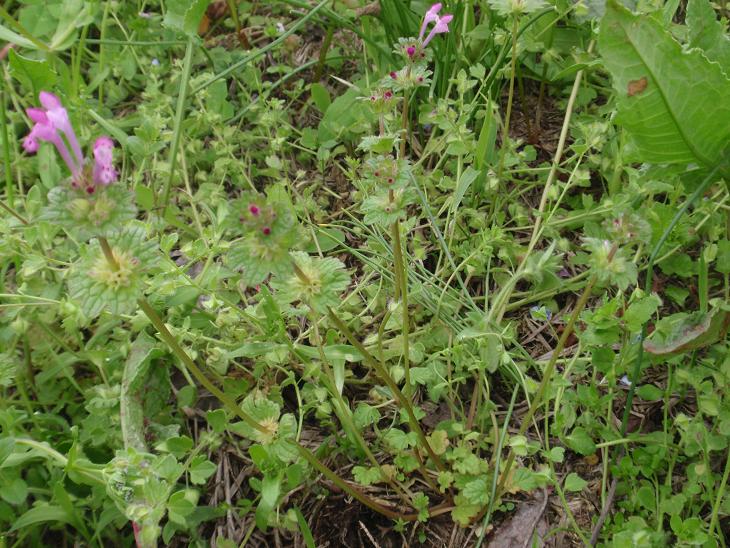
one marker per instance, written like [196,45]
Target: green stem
[9,191]
[345,414]
[236,410]
[391,384]
[179,114]
[720,495]
[402,278]
[14,213]
[323,53]
[505,129]
[549,370]
[108,253]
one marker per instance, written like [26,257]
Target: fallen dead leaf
[517,531]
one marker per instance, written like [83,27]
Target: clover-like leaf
[98,286]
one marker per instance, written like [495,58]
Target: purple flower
[431,15]
[441,24]
[104,172]
[52,124]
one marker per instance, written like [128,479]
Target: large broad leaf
[185,15]
[673,102]
[707,33]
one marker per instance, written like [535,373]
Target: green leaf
[465,181]
[477,491]
[707,33]
[145,197]
[649,392]
[399,440]
[131,411]
[12,37]
[180,505]
[217,420]
[556,454]
[326,239]
[673,103]
[320,96]
[640,311]
[201,469]
[367,476]
[37,75]
[439,441]
[183,295]
[270,490]
[14,491]
[185,15]
[574,483]
[580,441]
[41,514]
[723,256]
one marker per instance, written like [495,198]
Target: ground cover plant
[348,273]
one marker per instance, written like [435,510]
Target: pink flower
[58,116]
[104,172]
[440,24]
[52,124]
[431,15]
[45,130]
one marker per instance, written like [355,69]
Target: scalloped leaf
[85,216]
[97,287]
[327,280]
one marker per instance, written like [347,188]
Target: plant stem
[345,414]
[9,191]
[502,301]
[236,410]
[14,213]
[391,384]
[108,253]
[549,369]
[179,114]
[402,278]
[720,495]
[505,129]
[323,53]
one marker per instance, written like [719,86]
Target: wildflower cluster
[52,124]
[269,229]
[90,206]
[383,177]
